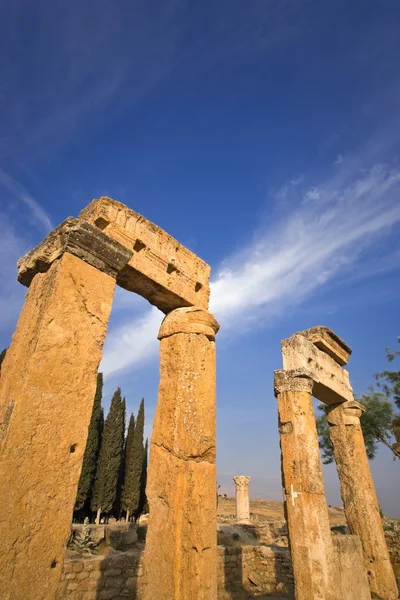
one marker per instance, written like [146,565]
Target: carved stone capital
[189,320]
[80,239]
[298,380]
[241,482]
[346,413]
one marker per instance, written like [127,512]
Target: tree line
[380,423]
[114,466]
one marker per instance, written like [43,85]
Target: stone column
[47,387]
[181,542]
[242,499]
[314,565]
[359,497]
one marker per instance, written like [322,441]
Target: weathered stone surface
[331,382]
[180,558]
[359,497]
[242,498]
[47,387]
[329,342]
[80,239]
[353,580]
[161,270]
[314,565]
[121,535]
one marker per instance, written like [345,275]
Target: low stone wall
[242,571]
[392,535]
[253,570]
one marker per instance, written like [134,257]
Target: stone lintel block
[346,413]
[160,269]
[80,239]
[329,342]
[296,380]
[331,381]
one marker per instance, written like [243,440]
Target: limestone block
[47,387]
[353,578]
[160,269]
[329,342]
[121,536]
[331,382]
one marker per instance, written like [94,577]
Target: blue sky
[264,135]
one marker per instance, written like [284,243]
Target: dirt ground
[268,510]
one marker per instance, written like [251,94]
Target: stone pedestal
[181,543]
[47,386]
[314,565]
[242,499]
[359,498]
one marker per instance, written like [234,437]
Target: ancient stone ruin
[49,377]
[242,499]
[313,363]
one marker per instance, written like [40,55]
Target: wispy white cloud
[327,227]
[12,247]
[20,194]
[132,343]
[324,233]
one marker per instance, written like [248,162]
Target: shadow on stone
[119,576]
[233,569]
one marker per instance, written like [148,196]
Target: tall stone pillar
[314,565]
[47,387]
[359,497]
[242,499]
[181,542]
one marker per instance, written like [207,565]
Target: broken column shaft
[359,497]
[181,542]
[311,547]
[242,499]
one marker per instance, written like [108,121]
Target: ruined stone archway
[313,362]
[50,373]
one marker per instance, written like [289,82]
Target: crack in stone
[191,458]
[84,300]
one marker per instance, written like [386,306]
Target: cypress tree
[127,485]
[117,506]
[137,452]
[143,505]
[111,449]
[91,453]
[134,466]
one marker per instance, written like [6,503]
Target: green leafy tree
[379,423]
[389,383]
[128,481]
[143,504]
[111,451]
[91,453]
[376,424]
[134,467]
